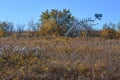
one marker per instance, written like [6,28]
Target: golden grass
[52,58]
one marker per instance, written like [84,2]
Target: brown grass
[51,58]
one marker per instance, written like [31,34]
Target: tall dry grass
[52,58]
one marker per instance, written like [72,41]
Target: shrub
[118,34]
[1,33]
[109,34]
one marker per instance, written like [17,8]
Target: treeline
[58,23]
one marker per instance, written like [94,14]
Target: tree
[55,22]
[20,29]
[7,28]
[3,25]
[33,26]
[2,28]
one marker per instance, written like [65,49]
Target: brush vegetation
[56,58]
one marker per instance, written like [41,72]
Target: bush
[1,33]
[109,34]
[118,34]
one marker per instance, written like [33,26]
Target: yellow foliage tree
[55,22]
[50,28]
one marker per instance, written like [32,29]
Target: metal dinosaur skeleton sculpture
[77,26]
[82,25]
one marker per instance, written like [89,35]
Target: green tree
[6,28]
[55,22]
[2,28]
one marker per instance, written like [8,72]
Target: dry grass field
[52,58]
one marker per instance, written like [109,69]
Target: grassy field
[52,58]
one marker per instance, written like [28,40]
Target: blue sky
[22,11]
